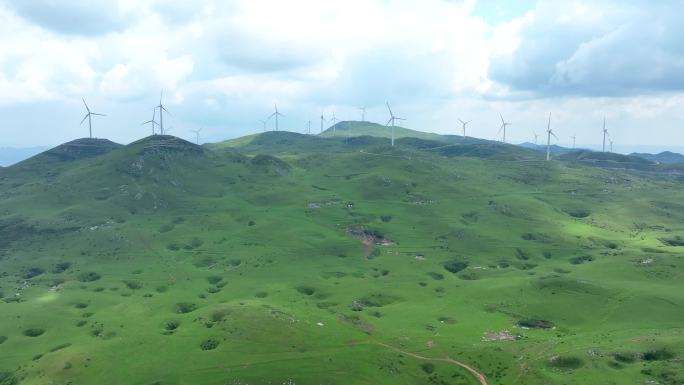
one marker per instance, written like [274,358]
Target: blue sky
[223,64]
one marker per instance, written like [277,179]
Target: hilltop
[311,259]
[666,157]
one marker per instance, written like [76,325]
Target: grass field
[292,259]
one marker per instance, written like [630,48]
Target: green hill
[288,258]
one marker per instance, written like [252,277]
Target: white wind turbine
[88,116]
[392,120]
[333,120]
[152,122]
[197,135]
[276,114]
[504,124]
[161,113]
[605,133]
[549,132]
[574,138]
[323,120]
[464,125]
[536,136]
[363,113]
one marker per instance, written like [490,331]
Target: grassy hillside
[286,258]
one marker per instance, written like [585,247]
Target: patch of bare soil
[503,335]
[369,239]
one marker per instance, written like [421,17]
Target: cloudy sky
[223,64]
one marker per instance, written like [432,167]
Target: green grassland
[289,259]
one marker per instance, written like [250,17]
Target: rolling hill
[299,259]
[666,157]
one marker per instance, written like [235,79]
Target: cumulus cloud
[222,64]
[75,17]
[600,48]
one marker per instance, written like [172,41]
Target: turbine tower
[611,145]
[464,125]
[161,113]
[549,132]
[574,137]
[276,114]
[308,129]
[605,133]
[152,122]
[392,120]
[88,116]
[504,124]
[363,113]
[263,123]
[323,120]
[333,120]
[197,135]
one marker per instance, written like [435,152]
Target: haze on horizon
[222,66]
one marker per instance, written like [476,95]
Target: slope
[272,261]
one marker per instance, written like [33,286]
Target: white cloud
[223,64]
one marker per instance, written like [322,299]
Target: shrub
[306,290]
[209,344]
[61,267]
[427,367]
[133,285]
[171,325]
[214,279]
[185,307]
[657,355]
[261,294]
[436,276]
[581,259]
[533,323]
[7,378]
[455,266]
[566,363]
[3,339]
[33,332]
[385,218]
[89,277]
[33,272]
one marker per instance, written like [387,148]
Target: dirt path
[479,376]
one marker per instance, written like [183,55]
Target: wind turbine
[263,123]
[276,114]
[535,137]
[323,120]
[197,134]
[333,120]
[464,125]
[88,116]
[503,127]
[308,129]
[549,132]
[152,122]
[611,145]
[573,140]
[605,132]
[392,120]
[161,113]
[363,113]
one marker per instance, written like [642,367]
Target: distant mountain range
[667,157]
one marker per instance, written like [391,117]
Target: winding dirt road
[479,376]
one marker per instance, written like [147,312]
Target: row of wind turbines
[390,123]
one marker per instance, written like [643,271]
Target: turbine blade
[502,119]
[86,106]
[84,118]
[388,122]
[390,109]
[95,113]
